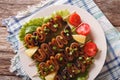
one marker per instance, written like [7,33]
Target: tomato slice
[90,49]
[74,19]
[83,29]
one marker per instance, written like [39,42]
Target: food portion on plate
[61,46]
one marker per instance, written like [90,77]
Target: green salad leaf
[31,26]
[62,13]
[81,76]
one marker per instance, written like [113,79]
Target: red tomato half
[74,19]
[90,49]
[83,29]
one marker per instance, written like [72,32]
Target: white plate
[96,32]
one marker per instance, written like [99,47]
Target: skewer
[22,47]
[32,63]
[37,74]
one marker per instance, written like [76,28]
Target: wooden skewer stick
[22,47]
[36,75]
[32,63]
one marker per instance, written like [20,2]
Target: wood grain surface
[10,8]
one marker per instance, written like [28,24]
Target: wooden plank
[118,28]
[9,78]
[11,7]
[110,9]
[4,45]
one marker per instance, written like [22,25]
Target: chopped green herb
[51,67]
[45,69]
[93,60]
[78,71]
[54,48]
[66,31]
[88,59]
[46,29]
[68,34]
[69,64]
[75,49]
[73,70]
[71,53]
[42,77]
[80,58]
[73,29]
[60,50]
[84,62]
[71,76]
[55,25]
[35,37]
[61,58]
[64,77]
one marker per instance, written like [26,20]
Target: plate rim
[90,15]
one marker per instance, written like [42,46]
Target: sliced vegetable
[83,29]
[90,49]
[75,19]
[50,76]
[79,38]
[31,51]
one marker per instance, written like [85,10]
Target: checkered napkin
[111,68]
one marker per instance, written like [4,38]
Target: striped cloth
[111,68]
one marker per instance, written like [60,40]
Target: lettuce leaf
[30,27]
[81,76]
[62,13]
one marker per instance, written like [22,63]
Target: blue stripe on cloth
[107,64]
[109,69]
[18,24]
[86,6]
[110,46]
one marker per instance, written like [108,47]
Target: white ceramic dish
[96,33]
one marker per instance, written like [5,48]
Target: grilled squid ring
[80,65]
[39,30]
[43,69]
[65,75]
[72,70]
[41,37]
[68,54]
[50,26]
[47,50]
[61,41]
[53,60]
[65,36]
[58,77]
[29,41]
[53,45]
[75,47]
[39,55]
[60,59]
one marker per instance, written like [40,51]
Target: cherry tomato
[90,49]
[83,29]
[74,19]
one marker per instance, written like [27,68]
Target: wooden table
[10,7]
